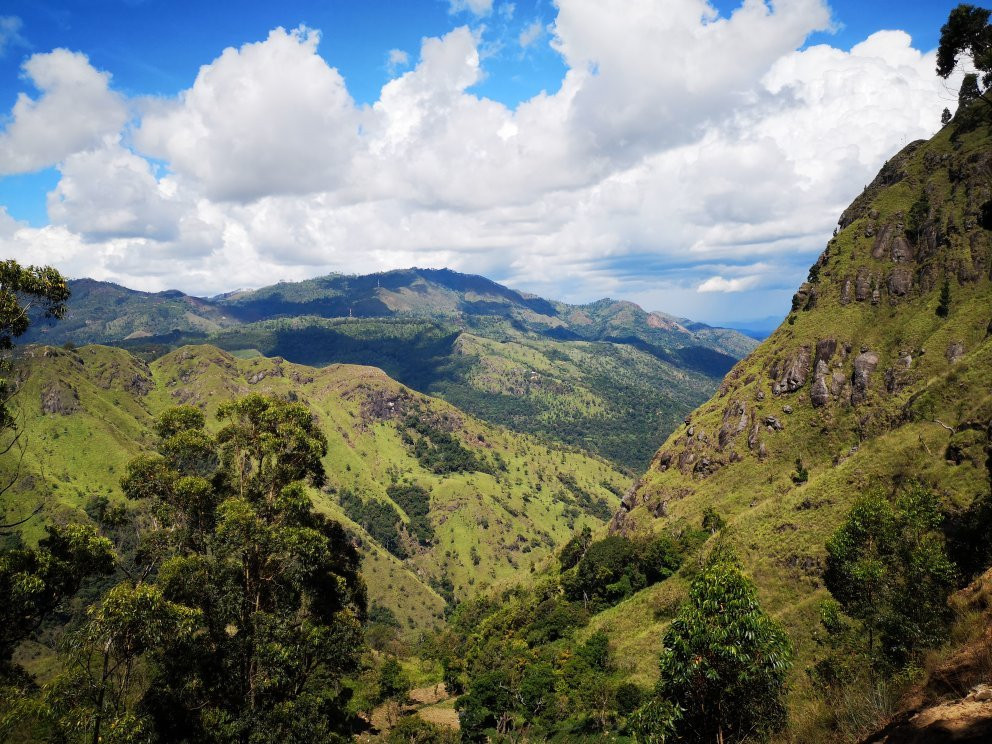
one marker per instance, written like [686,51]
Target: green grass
[509,519]
[780,528]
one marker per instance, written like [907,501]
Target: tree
[34,582]
[486,706]
[724,661]
[712,521]
[944,303]
[24,291]
[575,548]
[967,32]
[945,117]
[94,699]
[275,584]
[887,567]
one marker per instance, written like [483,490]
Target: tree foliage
[273,584]
[887,567]
[967,32]
[724,661]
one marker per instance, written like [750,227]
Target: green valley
[448,528]
[607,377]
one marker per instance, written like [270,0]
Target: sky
[690,156]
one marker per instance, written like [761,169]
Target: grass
[780,528]
[507,521]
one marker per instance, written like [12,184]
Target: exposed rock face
[59,398]
[793,373]
[820,394]
[902,251]
[734,422]
[864,364]
[954,352]
[752,436]
[883,241]
[139,385]
[805,298]
[900,281]
[862,285]
[845,291]
[825,349]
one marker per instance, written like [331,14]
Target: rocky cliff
[881,373]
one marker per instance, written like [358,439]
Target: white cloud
[476,7]
[719,284]
[531,33]
[395,59]
[112,193]
[10,33]
[268,118]
[686,158]
[75,111]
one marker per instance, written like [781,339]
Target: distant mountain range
[608,376]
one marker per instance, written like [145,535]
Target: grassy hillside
[865,383]
[476,504]
[608,376]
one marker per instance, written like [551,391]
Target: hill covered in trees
[608,377]
[441,504]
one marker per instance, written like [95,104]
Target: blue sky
[610,239]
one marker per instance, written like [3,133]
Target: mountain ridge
[608,377]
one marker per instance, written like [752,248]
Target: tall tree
[25,291]
[724,661]
[968,33]
[275,584]
[34,582]
[887,567]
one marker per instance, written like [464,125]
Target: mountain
[608,377]
[476,504]
[881,374]
[103,312]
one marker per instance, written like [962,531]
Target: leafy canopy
[724,661]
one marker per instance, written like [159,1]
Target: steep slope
[866,384]
[493,502]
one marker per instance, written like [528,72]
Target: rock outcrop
[864,365]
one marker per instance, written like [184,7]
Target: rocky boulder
[900,281]
[864,365]
[60,399]
[793,372]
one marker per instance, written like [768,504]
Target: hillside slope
[496,503]
[865,383]
[607,377]
[102,312]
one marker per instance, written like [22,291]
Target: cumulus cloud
[269,118]
[688,161]
[111,193]
[476,7]
[75,111]
[396,59]
[719,284]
